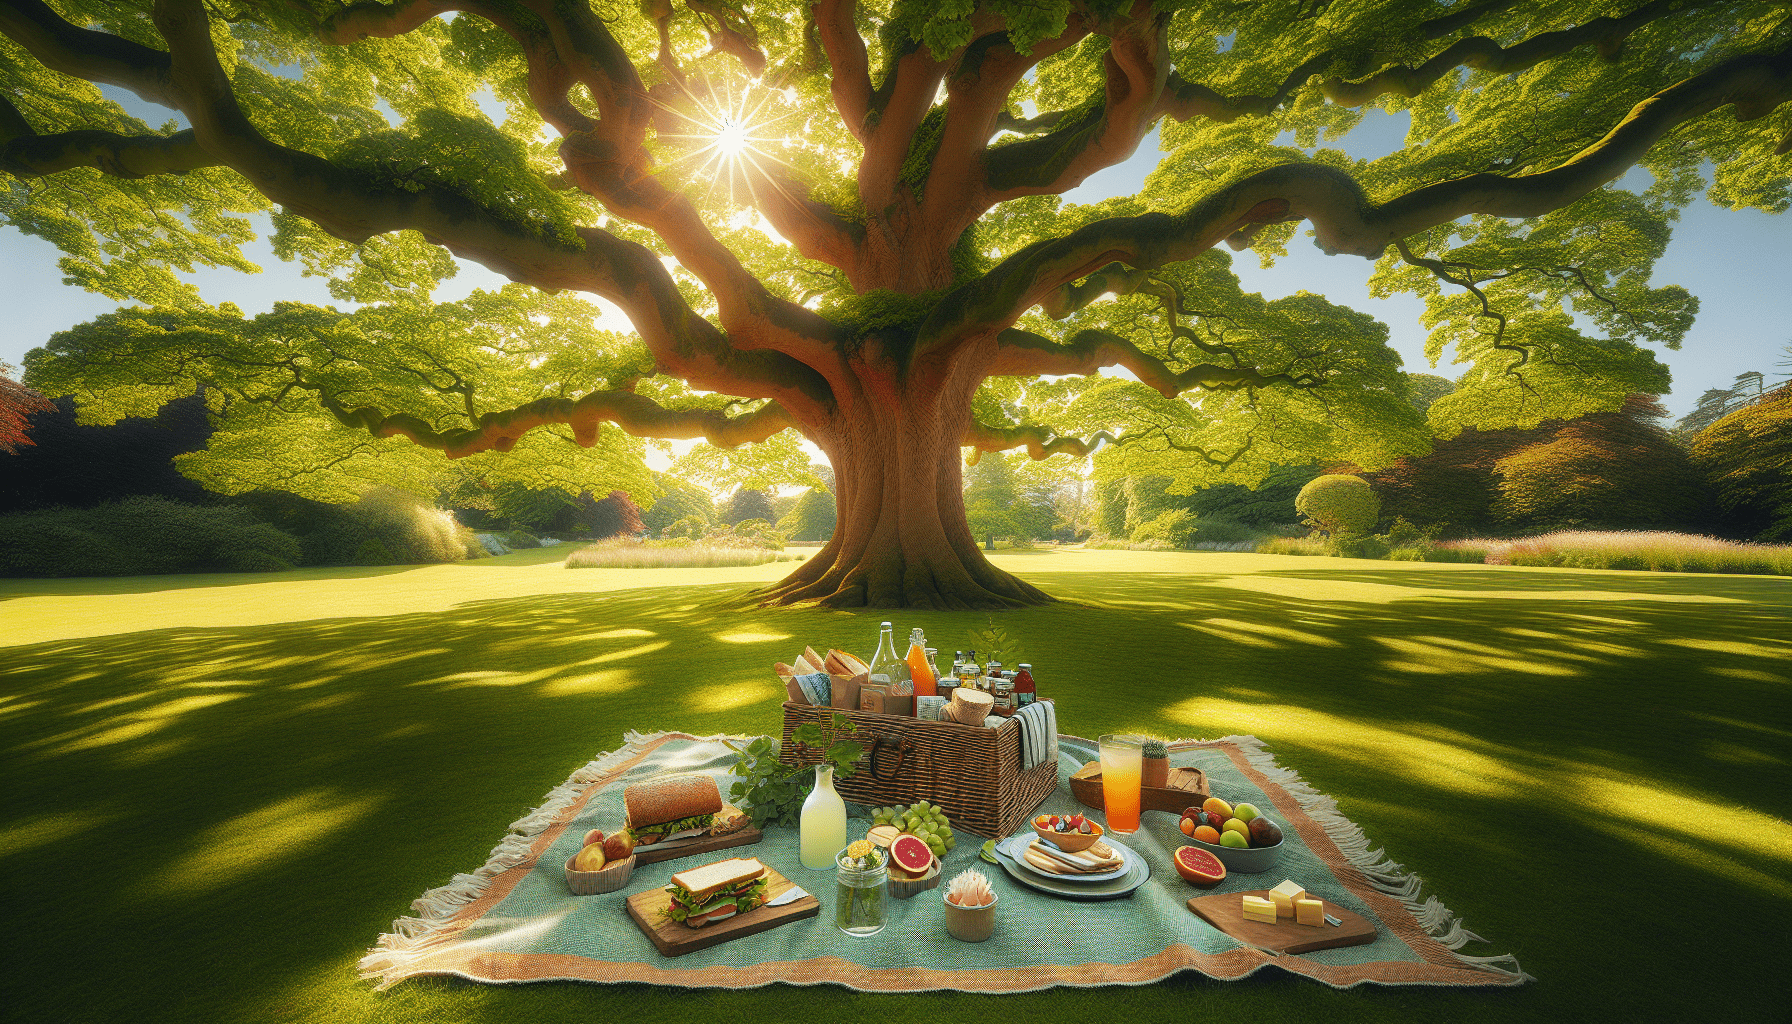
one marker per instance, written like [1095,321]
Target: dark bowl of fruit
[1071,833]
[1242,837]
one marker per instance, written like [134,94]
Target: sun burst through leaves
[727,135]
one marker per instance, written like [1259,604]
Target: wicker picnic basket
[971,772]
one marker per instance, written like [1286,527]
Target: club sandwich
[717,892]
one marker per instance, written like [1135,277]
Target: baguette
[672,799]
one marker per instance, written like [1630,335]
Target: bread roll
[671,798]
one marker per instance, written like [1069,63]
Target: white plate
[1138,872]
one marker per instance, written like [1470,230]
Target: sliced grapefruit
[1199,867]
[911,853]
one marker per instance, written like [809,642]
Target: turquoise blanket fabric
[524,924]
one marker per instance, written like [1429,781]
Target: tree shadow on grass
[83,586]
[214,823]
[1609,581]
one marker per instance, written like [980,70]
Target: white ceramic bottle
[822,828]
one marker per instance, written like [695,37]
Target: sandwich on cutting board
[678,807]
[717,892]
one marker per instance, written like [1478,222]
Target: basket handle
[881,743]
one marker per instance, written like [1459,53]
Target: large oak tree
[842,219]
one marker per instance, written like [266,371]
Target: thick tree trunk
[901,540]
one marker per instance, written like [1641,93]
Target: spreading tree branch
[1043,442]
[567,44]
[83,53]
[499,431]
[122,156]
[1025,354]
[850,78]
[1136,68]
[1343,217]
[349,206]
[1483,54]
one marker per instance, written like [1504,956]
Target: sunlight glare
[732,139]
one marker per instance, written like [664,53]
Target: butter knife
[790,895]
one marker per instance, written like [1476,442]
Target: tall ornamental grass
[1654,551]
[629,553]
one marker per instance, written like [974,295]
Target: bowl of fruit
[603,863]
[1072,833]
[1242,837]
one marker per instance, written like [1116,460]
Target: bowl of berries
[1072,833]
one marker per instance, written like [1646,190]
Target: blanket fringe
[412,937]
[1383,873]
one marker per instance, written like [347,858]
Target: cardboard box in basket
[974,773]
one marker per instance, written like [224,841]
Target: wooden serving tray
[1187,787]
[698,844]
[1225,911]
[674,939]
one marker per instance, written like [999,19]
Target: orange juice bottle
[919,669]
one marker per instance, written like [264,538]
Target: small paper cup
[971,924]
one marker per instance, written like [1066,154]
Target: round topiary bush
[1339,504]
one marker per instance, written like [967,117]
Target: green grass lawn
[218,790]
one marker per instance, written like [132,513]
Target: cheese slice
[1284,896]
[1309,912]
[1256,908]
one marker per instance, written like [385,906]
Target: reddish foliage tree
[616,515]
[17,403]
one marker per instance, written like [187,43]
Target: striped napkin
[818,687]
[1038,733]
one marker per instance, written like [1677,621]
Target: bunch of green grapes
[922,819]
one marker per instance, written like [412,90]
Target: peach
[619,845]
[591,858]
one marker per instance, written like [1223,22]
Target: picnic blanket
[514,920]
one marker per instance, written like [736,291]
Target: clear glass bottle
[886,667]
[822,829]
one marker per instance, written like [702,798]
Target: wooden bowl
[903,888]
[1071,842]
[609,878]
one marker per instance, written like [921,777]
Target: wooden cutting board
[700,844]
[1225,911]
[1186,787]
[674,939]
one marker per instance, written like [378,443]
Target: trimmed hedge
[141,536]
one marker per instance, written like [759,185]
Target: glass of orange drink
[1120,780]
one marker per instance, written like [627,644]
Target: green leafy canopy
[1538,317]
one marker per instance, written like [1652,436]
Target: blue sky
[1739,263]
